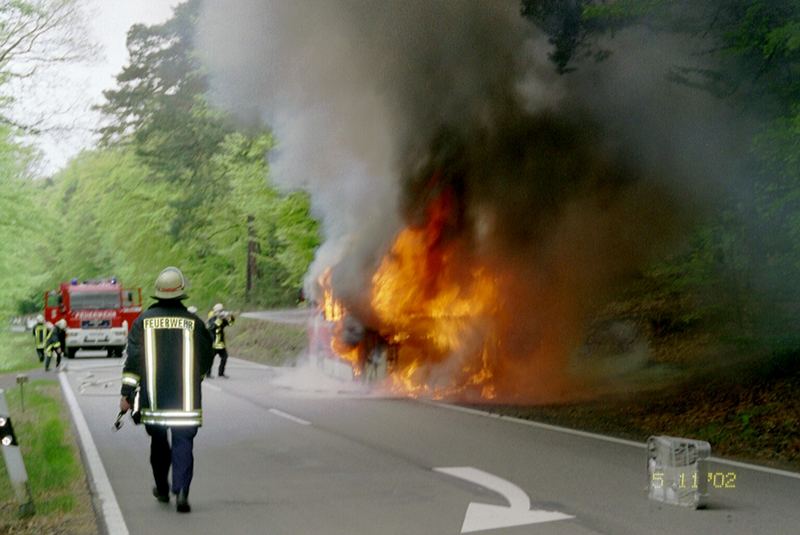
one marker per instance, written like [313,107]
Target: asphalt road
[288,452]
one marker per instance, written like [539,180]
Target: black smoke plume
[564,184]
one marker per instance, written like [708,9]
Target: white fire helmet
[170,284]
[192,309]
[61,324]
[49,326]
[218,308]
[39,318]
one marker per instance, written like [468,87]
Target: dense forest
[734,272]
[175,180]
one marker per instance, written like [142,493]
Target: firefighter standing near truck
[40,336]
[56,343]
[219,319]
[169,352]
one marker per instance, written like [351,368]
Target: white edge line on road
[605,438]
[212,387]
[288,416]
[531,423]
[112,515]
[766,469]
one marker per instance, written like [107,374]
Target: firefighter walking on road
[56,343]
[40,335]
[218,321]
[169,352]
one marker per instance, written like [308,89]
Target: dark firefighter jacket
[217,327]
[169,351]
[40,335]
[56,341]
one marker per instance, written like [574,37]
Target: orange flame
[457,319]
[430,305]
[436,306]
[334,312]
[433,309]
[446,317]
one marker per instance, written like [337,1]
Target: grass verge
[56,476]
[17,352]
[265,342]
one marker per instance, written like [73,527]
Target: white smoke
[351,88]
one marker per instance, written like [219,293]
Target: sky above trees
[59,98]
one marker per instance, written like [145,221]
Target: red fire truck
[98,314]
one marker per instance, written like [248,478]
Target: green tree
[175,182]
[744,256]
[33,35]
[23,227]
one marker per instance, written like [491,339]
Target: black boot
[182,501]
[163,497]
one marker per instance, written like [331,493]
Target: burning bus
[343,347]
[428,328]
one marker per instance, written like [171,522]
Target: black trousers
[47,360]
[40,352]
[223,359]
[179,455]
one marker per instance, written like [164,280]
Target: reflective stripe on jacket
[217,327]
[40,335]
[55,341]
[169,351]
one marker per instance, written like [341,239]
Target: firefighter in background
[219,319]
[40,335]
[56,342]
[169,352]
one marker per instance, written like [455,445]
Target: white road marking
[212,387]
[483,516]
[765,469]
[288,416]
[112,515]
[540,425]
[615,440]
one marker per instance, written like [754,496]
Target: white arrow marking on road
[482,516]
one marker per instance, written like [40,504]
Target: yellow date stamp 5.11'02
[718,480]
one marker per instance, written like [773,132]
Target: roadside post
[676,470]
[21,380]
[13,459]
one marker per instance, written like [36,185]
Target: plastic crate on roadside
[676,470]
